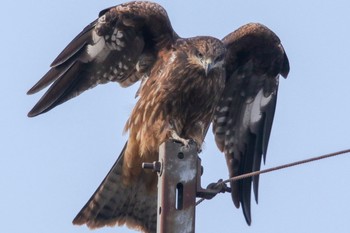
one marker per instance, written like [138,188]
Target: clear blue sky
[50,165]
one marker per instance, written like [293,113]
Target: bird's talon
[177,138]
[185,142]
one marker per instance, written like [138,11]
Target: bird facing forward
[186,84]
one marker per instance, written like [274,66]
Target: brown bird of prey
[186,84]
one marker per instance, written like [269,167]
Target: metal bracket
[212,189]
[179,183]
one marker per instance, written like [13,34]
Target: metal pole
[177,188]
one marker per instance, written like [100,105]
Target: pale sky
[51,165]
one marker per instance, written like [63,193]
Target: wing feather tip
[37,87]
[256,194]
[249,222]
[33,113]
[30,115]
[31,91]
[78,221]
[247,213]
[81,219]
[38,109]
[285,66]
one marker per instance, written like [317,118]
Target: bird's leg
[173,134]
[177,138]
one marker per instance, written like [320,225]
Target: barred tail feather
[115,203]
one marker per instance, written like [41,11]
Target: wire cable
[247,175]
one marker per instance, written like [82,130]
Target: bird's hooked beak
[208,65]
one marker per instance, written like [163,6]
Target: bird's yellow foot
[186,142]
[176,137]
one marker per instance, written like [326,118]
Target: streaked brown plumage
[186,85]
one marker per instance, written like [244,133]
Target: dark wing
[243,119]
[120,46]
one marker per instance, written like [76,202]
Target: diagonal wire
[247,175]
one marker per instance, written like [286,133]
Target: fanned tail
[116,203]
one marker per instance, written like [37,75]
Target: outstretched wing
[243,118]
[120,46]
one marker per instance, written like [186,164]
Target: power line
[247,175]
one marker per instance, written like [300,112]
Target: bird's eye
[199,55]
[219,58]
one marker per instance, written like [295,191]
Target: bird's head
[206,53]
